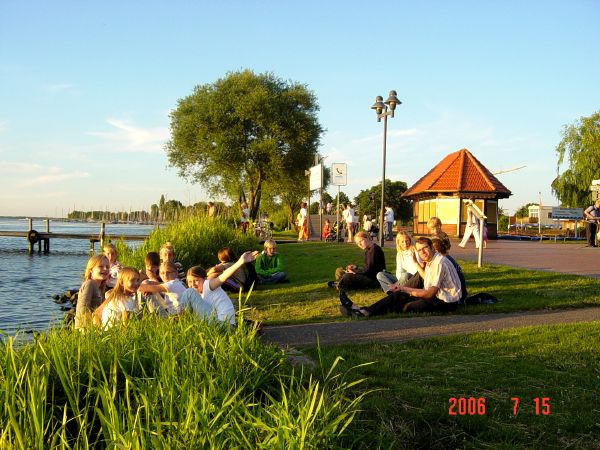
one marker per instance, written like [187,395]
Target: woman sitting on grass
[122,301]
[91,293]
[407,264]
[206,298]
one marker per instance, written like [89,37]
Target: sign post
[339,177]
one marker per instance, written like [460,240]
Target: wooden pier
[42,238]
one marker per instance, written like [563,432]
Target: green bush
[177,384]
[196,241]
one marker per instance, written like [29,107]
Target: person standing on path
[348,217]
[592,217]
[303,223]
[389,223]
[244,216]
[472,228]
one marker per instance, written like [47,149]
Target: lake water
[27,282]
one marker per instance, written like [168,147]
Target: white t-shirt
[175,288]
[112,314]
[302,216]
[441,273]
[210,303]
[389,215]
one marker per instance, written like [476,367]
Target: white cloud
[51,178]
[134,138]
[27,174]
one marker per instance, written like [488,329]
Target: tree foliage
[243,130]
[369,200]
[579,149]
[523,211]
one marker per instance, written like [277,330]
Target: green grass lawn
[311,264]
[411,384]
[414,383]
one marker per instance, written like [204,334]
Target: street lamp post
[383,110]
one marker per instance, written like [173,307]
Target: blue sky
[86,88]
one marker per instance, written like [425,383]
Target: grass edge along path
[553,371]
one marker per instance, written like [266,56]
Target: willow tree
[243,130]
[579,149]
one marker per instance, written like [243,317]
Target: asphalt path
[570,258]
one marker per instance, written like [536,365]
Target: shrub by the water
[166,384]
[196,240]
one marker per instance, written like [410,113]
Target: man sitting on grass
[440,293]
[353,278]
[269,265]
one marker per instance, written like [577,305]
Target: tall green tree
[243,130]
[579,149]
[369,200]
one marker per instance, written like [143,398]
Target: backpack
[482,298]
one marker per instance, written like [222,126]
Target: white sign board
[339,174]
[567,213]
[315,177]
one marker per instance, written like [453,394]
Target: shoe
[461,245]
[332,284]
[357,312]
[345,300]
[346,311]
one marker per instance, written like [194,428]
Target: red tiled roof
[459,172]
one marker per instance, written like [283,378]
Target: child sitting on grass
[171,288]
[110,252]
[243,278]
[269,265]
[122,301]
[206,298]
[434,225]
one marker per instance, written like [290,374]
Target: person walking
[471,228]
[592,217]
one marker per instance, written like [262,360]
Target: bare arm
[247,257]
[151,288]
[421,293]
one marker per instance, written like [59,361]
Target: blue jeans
[275,278]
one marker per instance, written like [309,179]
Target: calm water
[27,282]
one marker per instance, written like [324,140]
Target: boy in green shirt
[269,265]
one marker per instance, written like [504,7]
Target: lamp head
[392,100]
[378,106]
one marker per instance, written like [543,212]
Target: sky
[86,88]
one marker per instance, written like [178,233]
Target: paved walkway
[571,258]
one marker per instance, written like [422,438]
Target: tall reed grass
[167,384]
[196,240]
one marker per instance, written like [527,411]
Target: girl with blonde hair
[91,293]
[123,300]
[407,264]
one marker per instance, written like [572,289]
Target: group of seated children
[160,289]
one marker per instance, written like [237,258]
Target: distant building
[544,218]
[443,190]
